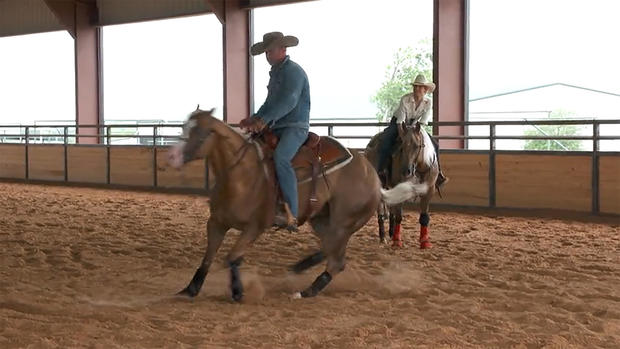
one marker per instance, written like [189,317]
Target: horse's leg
[424,221]
[391,218]
[308,262]
[381,219]
[215,236]
[235,257]
[319,222]
[335,247]
[335,231]
[397,240]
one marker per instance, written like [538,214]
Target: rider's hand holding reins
[252,124]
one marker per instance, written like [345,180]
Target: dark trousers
[387,142]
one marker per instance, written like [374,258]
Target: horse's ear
[212,111]
[197,106]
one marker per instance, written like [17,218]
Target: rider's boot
[441,181]
[284,218]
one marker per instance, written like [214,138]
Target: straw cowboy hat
[420,80]
[271,40]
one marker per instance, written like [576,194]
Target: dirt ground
[84,267]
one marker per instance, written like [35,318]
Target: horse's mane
[428,154]
[196,113]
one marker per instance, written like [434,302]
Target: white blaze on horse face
[191,123]
[175,155]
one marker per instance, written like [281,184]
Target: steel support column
[88,87]
[449,68]
[236,40]
[78,18]
[235,21]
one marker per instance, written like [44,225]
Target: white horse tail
[403,192]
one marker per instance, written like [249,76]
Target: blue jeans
[291,139]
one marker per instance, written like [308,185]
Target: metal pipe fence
[160,135]
[108,134]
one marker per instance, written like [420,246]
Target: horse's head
[408,155]
[198,138]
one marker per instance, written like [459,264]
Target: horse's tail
[403,192]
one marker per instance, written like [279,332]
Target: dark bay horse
[243,199]
[413,160]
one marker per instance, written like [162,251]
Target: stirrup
[280,222]
[440,182]
[284,219]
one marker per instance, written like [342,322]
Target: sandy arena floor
[96,268]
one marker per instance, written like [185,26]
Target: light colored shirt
[410,112]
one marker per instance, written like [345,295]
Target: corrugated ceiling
[19,17]
[127,11]
[34,16]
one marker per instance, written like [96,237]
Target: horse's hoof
[237,295]
[397,243]
[296,295]
[383,241]
[425,245]
[236,290]
[187,293]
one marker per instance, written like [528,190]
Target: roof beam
[133,11]
[19,17]
[264,3]
[218,7]
[64,12]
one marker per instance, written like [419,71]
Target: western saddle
[316,157]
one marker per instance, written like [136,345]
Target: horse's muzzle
[176,155]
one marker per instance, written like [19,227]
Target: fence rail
[111,142]
[150,134]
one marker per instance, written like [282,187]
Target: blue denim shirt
[288,97]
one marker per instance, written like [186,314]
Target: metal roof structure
[543,86]
[84,19]
[18,17]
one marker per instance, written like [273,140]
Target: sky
[161,70]
[516,44]
[345,52]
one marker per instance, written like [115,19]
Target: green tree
[407,63]
[554,130]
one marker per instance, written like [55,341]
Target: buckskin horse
[344,194]
[413,160]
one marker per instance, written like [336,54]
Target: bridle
[204,134]
[416,157]
[188,154]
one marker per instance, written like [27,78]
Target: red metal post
[449,68]
[78,18]
[87,72]
[236,41]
